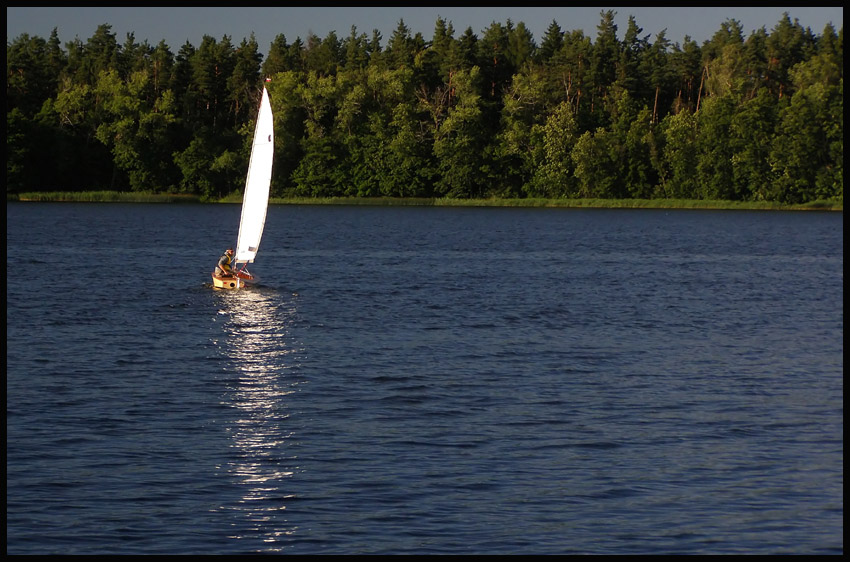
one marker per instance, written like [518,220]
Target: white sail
[255,200]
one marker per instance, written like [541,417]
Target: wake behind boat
[255,202]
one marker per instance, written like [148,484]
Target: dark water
[425,380]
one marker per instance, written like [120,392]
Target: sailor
[223,268]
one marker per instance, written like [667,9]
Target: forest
[461,115]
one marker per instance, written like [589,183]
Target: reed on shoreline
[143,197]
[104,197]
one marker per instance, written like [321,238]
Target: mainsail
[255,200]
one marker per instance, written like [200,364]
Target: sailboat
[255,200]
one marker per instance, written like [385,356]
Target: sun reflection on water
[262,380]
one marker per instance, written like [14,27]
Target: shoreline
[132,197]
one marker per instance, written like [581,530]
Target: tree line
[460,115]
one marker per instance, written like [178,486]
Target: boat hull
[239,280]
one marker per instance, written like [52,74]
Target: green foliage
[596,162]
[805,152]
[207,169]
[135,128]
[714,156]
[554,176]
[680,156]
[458,141]
[459,116]
[751,130]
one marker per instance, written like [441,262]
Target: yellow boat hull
[238,280]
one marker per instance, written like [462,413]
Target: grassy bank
[567,203]
[132,197]
[104,197]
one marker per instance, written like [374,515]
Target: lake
[425,380]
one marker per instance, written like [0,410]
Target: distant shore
[133,197]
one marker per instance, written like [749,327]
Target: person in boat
[223,269]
